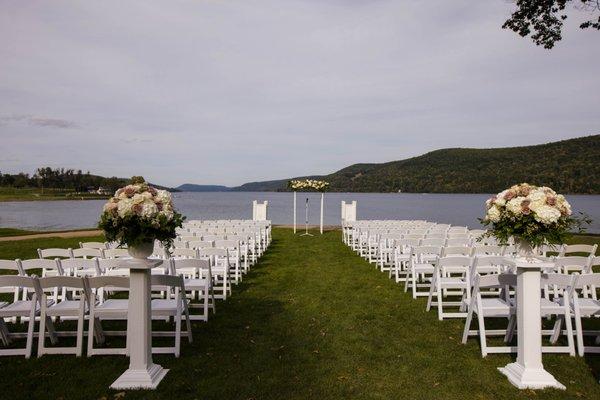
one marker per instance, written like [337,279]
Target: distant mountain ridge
[190,187]
[568,166]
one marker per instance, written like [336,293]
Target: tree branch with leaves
[543,19]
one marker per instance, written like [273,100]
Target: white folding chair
[197,278]
[421,268]
[451,273]
[27,308]
[586,305]
[65,308]
[500,306]
[174,306]
[220,268]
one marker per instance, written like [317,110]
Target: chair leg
[30,329]
[465,336]
[579,331]
[482,336]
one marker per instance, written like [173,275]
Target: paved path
[64,235]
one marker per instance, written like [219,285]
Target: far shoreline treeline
[569,166]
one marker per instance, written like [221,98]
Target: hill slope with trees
[568,166]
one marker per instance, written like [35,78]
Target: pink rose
[137,208]
[152,191]
[510,195]
[551,201]
[159,205]
[129,191]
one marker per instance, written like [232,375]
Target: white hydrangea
[149,209]
[125,207]
[547,214]
[493,214]
[514,205]
[163,196]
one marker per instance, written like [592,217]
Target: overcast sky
[226,92]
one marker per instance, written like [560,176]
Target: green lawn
[311,321]
[33,194]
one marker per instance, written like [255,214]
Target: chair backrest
[435,236]
[17,281]
[420,251]
[491,250]
[227,244]
[559,280]
[184,253]
[55,253]
[200,244]
[114,282]
[93,245]
[87,253]
[586,249]
[455,261]
[188,238]
[587,280]
[206,252]
[433,242]
[579,263]
[9,265]
[413,236]
[69,282]
[187,263]
[420,232]
[456,250]
[89,266]
[116,253]
[173,281]
[455,235]
[458,241]
[39,263]
[495,280]
[408,242]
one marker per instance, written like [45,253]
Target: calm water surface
[456,209]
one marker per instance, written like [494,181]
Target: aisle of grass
[311,321]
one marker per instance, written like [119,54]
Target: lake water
[456,209]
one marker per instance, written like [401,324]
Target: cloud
[52,122]
[38,121]
[246,90]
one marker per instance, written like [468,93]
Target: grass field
[311,321]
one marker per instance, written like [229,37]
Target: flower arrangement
[535,215]
[138,214]
[308,184]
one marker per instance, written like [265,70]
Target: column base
[140,378]
[530,378]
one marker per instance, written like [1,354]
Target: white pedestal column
[528,372]
[321,225]
[142,372]
[294,212]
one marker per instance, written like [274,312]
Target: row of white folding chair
[40,308]
[578,300]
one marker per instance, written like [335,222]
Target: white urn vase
[141,251]
[525,249]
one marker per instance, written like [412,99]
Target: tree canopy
[543,19]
